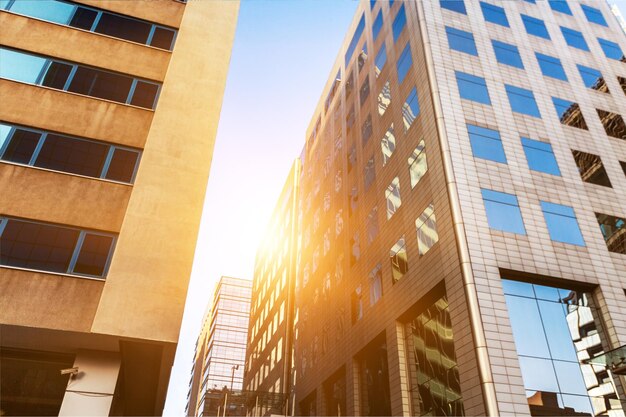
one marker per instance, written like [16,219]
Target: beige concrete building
[107,125]
[463,214]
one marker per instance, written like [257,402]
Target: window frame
[4,220]
[42,138]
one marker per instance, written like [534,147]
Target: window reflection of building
[555,330]
[434,385]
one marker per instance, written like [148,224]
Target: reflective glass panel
[486,143]
[19,66]
[122,166]
[611,50]
[93,255]
[426,225]
[392,195]
[522,101]
[574,38]
[404,63]
[376,284]
[591,168]
[562,223]
[410,109]
[380,60]
[399,23]
[472,88]
[462,41]
[378,24]
[398,258]
[569,113]
[613,229]
[613,124]
[540,156]
[593,15]
[494,14]
[454,5]
[50,10]
[560,6]
[418,164]
[592,78]
[388,145]
[384,99]
[535,27]
[551,66]
[17,145]
[503,212]
[507,54]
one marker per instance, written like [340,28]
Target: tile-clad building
[108,116]
[270,334]
[463,205]
[221,347]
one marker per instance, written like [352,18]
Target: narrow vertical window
[392,195]
[404,63]
[399,23]
[417,164]
[410,109]
[388,145]
[384,98]
[381,59]
[426,225]
[398,259]
[376,284]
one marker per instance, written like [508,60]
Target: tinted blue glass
[522,101]
[381,59]
[454,5]
[494,14]
[538,373]
[560,6]
[574,38]
[562,106]
[556,329]
[503,212]
[562,223]
[411,108]
[50,10]
[486,143]
[404,63]
[551,66]
[611,49]
[378,24]
[593,15]
[472,87]
[535,27]
[525,319]
[462,41]
[523,289]
[531,1]
[507,54]
[19,66]
[399,23]
[372,4]
[591,77]
[355,39]
[570,378]
[540,156]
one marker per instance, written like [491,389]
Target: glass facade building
[480,262]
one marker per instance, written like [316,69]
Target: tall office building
[221,347]
[270,333]
[108,116]
[463,203]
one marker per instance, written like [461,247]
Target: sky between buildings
[281,60]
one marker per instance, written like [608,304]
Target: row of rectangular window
[35,69]
[523,101]
[497,15]
[504,214]
[508,54]
[64,153]
[52,248]
[94,20]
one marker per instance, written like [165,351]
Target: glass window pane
[20,144]
[426,225]
[560,6]
[523,289]
[472,88]
[83,18]
[612,228]
[486,143]
[611,50]
[555,325]
[50,10]
[591,168]
[410,109]
[562,224]
[417,164]
[551,66]
[20,66]
[77,156]
[574,38]
[376,284]
[56,75]
[370,173]
[494,14]
[454,5]
[593,15]
[404,63]
[123,27]
[462,41]
[538,374]
[392,194]
[381,59]
[388,145]
[570,378]
[364,93]
[530,339]
[398,257]
[535,27]
[101,84]
[399,23]
[162,38]
[93,255]
[507,54]
[384,99]
[613,124]
[522,101]
[592,78]
[378,24]
[355,40]
[540,156]
[145,95]
[122,166]
[569,113]
[503,212]
[37,246]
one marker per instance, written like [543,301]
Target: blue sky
[282,57]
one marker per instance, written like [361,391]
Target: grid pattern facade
[270,346]
[458,144]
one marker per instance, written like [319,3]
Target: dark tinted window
[162,38]
[101,84]
[83,18]
[56,75]
[613,124]
[20,145]
[70,155]
[622,83]
[37,246]
[122,166]
[591,168]
[623,164]
[145,94]
[123,27]
[365,90]
[613,228]
[93,255]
